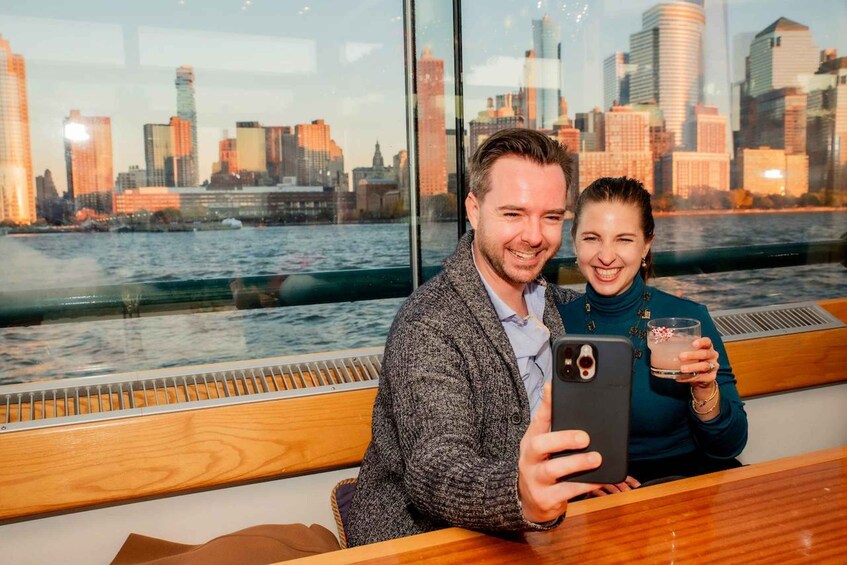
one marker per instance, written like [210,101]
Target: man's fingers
[544,445]
[540,423]
[552,470]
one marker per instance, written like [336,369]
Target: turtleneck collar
[616,304]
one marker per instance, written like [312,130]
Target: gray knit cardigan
[449,414]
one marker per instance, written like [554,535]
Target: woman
[683,427]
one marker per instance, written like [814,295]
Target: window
[194,182]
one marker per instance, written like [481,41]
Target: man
[460,424]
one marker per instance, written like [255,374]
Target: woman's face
[610,245]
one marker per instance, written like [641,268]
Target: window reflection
[221,156]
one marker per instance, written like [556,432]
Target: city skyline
[356,133]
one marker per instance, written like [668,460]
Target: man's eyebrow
[508,207]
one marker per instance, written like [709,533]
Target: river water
[60,350]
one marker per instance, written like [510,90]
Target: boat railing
[27,307]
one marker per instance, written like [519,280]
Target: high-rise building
[626,130]
[135,177]
[182,169]
[547,60]
[228,156]
[617,71]
[590,126]
[17,192]
[281,152]
[401,172]
[773,171]
[668,53]
[776,119]
[88,157]
[432,131]
[781,55]
[45,194]
[595,164]
[481,129]
[158,153]
[320,161]
[826,134]
[686,173]
[706,130]
[252,154]
[186,109]
[527,94]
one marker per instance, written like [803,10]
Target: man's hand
[542,497]
[628,484]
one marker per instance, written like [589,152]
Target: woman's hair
[520,142]
[625,191]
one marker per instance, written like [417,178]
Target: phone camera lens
[585,362]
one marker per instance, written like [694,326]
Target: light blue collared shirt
[529,337]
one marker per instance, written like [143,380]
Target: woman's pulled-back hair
[625,191]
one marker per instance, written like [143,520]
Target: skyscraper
[320,161]
[706,130]
[17,191]
[183,170]
[45,194]
[547,71]
[616,77]
[88,157]
[432,132]
[252,154]
[187,110]
[780,55]
[669,54]
[158,153]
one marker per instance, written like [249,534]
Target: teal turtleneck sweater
[662,422]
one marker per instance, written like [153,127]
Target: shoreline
[749,211]
[186,227]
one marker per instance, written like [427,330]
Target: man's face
[518,222]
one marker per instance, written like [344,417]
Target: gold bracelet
[710,410]
[701,403]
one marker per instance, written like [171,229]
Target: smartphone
[592,388]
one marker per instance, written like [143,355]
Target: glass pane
[202,160]
[436,131]
[732,113]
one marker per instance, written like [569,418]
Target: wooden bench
[80,466]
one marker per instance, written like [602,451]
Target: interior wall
[780,425]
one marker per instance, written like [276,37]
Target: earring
[644,262]
[576,261]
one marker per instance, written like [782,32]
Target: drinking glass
[667,338]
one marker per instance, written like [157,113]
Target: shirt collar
[533,294]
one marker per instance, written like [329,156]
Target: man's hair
[621,190]
[520,142]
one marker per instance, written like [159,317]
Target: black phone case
[600,406]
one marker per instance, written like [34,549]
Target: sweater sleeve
[725,436]
[446,474]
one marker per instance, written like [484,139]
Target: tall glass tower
[668,52]
[187,110]
[548,71]
[17,191]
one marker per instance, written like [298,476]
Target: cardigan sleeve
[446,474]
[724,436]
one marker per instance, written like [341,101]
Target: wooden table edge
[451,535]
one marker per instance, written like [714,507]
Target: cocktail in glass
[667,338]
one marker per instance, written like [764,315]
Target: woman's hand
[701,364]
[628,484]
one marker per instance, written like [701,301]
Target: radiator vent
[86,399]
[749,323]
